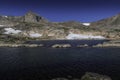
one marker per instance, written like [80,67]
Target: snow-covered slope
[83,36]
[11,31]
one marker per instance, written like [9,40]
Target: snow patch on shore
[11,31]
[83,36]
[86,24]
[35,35]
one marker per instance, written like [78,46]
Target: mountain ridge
[33,26]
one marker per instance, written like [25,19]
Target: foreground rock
[95,76]
[61,46]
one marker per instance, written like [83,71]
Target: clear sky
[63,10]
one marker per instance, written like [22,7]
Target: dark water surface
[46,63]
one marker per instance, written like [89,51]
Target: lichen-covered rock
[95,76]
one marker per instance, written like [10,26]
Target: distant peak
[31,16]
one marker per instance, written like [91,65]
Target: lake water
[47,63]
[74,43]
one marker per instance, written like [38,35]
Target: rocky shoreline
[111,43]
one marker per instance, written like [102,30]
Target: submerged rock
[95,76]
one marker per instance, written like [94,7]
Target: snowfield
[11,31]
[83,36]
[86,24]
[35,35]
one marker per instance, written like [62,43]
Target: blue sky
[63,10]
